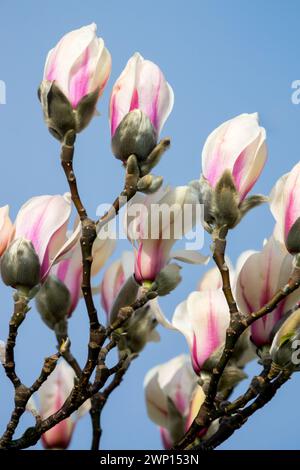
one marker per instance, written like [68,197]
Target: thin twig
[230,424]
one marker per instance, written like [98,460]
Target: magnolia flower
[114,278]
[140,103]
[43,221]
[259,279]
[153,225]
[169,389]
[75,74]
[285,207]
[52,396]
[69,270]
[79,64]
[59,295]
[102,250]
[6,228]
[203,319]
[238,145]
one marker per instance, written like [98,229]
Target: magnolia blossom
[69,270]
[52,396]
[6,228]
[285,207]
[141,86]
[114,278]
[79,64]
[43,220]
[237,145]
[155,222]
[203,319]
[169,389]
[262,274]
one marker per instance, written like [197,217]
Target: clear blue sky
[222,58]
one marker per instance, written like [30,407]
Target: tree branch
[238,324]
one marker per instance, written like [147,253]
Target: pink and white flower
[114,278]
[79,64]
[69,269]
[169,388]
[262,274]
[6,229]
[43,220]
[203,319]
[154,236]
[238,145]
[52,395]
[285,207]
[141,86]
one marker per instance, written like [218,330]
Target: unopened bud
[226,201]
[167,279]
[20,266]
[126,296]
[285,346]
[53,303]
[139,330]
[59,115]
[149,184]
[292,241]
[134,135]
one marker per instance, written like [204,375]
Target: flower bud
[286,342]
[169,389]
[140,103]
[20,266]
[259,278]
[139,330]
[164,210]
[285,207]
[238,146]
[168,279]
[76,72]
[134,135]
[43,220]
[53,302]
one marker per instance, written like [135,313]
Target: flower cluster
[43,255]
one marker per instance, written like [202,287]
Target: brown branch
[230,424]
[19,314]
[67,153]
[23,394]
[88,236]
[99,399]
[126,312]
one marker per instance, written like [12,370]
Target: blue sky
[222,59]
